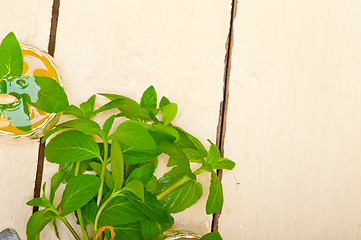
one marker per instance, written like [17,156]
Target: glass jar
[178,235]
[36,62]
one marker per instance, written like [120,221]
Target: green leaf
[170,178]
[117,165]
[170,132]
[37,222]
[169,112]
[97,167]
[193,155]
[134,135]
[38,202]
[56,180]
[87,126]
[89,212]
[213,155]
[182,197]
[149,98]
[136,156]
[43,93]
[33,227]
[151,207]
[215,197]
[151,228]
[143,173]
[225,163]
[79,190]
[152,185]
[129,231]
[136,187]
[120,211]
[107,126]
[11,59]
[212,236]
[135,114]
[69,169]
[88,107]
[186,140]
[118,101]
[176,154]
[73,111]
[71,146]
[163,102]
[18,114]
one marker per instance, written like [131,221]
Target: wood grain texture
[125,46]
[30,21]
[294,122]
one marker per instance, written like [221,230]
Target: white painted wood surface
[30,21]
[125,46]
[293,123]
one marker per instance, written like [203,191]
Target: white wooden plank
[294,122]
[30,21]
[125,46]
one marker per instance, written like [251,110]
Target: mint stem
[102,174]
[71,229]
[78,211]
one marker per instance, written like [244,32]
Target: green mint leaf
[143,173]
[169,112]
[118,101]
[182,197]
[151,228]
[88,107]
[213,155]
[89,212]
[129,231]
[152,185]
[168,132]
[136,187]
[193,155]
[117,165]
[11,59]
[225,163]
[151,207]
[212,236]
[170,178]
[18,114]
[73,111]
[79,190]
[120,206]
[133,135]
[107,126]
[136,156]
[163,102]
[56,180]
[69,169]
[215,197]
[87,126]
[135,114]
[186,140]
[38,202]
[71,146]
[33,227]
[149,98]
[176,153]
[43,93]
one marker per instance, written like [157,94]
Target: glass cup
[36,62]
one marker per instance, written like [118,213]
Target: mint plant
[111,184]
[41,92]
